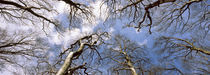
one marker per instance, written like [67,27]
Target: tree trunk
[68,60]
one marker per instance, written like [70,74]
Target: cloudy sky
[98,23]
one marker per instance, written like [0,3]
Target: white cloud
[55,37]
[61,6]
[11,70]
[101,12]
[143,43]
[111,30]
[69,36]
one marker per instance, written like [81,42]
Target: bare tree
[192,56]
[14,46]
[19,9]
[123,52]
[130,58]
[166,14]
[88,42]
[173,17]
[33,11]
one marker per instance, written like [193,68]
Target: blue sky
[58,42]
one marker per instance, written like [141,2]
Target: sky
[113,26]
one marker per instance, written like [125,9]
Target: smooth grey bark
[68,60]
[130,64]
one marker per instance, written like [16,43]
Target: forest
[104,37]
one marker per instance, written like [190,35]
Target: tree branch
[29,9]
[68,60]
[190,45]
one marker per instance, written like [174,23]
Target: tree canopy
[104,37]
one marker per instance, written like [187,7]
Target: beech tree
[188,51]
[19,46]
[89,42]
[130,58]
[179,31]
[175,15]
[171,17]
